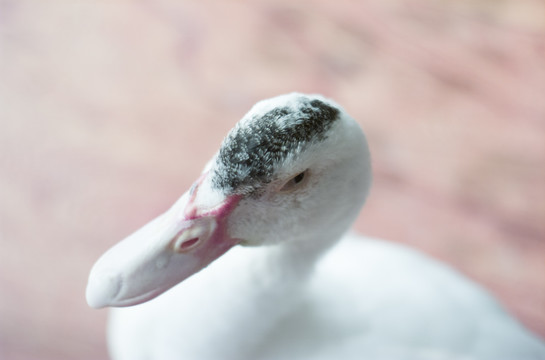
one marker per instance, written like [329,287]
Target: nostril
[186,245]
[194,233]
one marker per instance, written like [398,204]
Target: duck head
[293,172]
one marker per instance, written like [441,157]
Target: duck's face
[294,169]
[302,166]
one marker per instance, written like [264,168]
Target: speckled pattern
[109,111]
[252,151]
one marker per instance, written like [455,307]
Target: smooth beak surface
[161,254]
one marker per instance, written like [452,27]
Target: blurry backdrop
[108,111]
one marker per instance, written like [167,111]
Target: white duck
[272,207]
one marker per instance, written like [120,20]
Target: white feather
[302,293]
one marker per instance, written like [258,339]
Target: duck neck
[251,289]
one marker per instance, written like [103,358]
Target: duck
[257,261]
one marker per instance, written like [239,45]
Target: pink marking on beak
[191,210]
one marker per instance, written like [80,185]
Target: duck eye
[295,181]
[299,178]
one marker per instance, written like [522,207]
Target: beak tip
[102,290]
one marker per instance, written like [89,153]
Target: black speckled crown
[251,151]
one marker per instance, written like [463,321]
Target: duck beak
[166,251]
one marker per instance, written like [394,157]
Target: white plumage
[290,287]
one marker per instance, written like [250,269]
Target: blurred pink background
[109,110]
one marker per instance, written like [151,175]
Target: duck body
[253,262]
[366,299]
